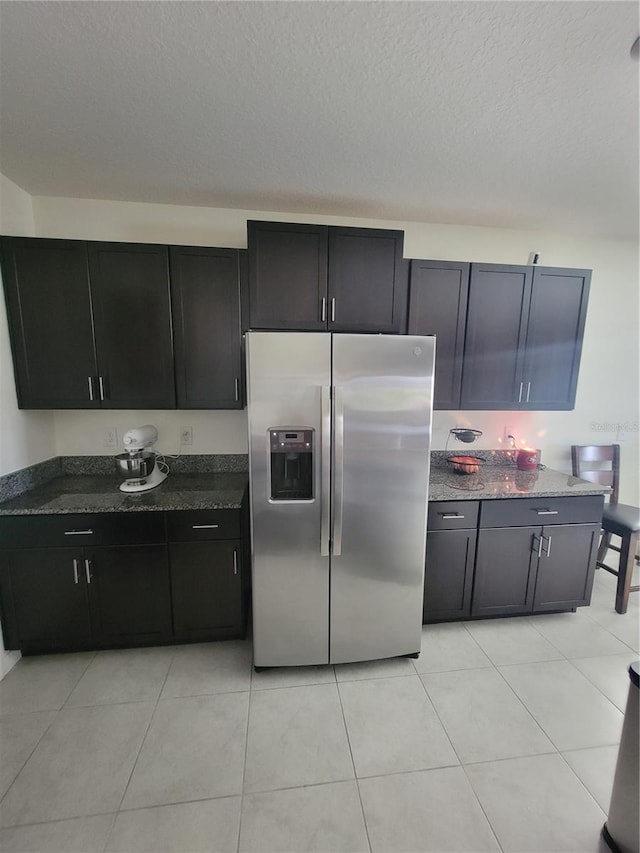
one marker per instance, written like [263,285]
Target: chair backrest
[589,462]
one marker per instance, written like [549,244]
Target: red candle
[527,459]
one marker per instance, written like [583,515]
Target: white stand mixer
[139,464]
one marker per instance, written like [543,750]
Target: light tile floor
[501,736]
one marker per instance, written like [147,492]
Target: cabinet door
[205,296]
[129,593]
[206,588]
[567,566]
[438,306]
[45,591]
[49,313]
[496,327]
[505,571]
[367,280]
[287,276]
[554,337]
[130,288]
[448,574]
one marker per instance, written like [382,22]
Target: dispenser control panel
[291,463]
[295,441]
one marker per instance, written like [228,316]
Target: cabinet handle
[323,309]
[204,526]
[548,546]
[450,515]
[87,570]
[520,394]
[75,571]
[528,391]
[333,309]
[546,511]
[539,549]
[235,562]
[78,532]
[101,386]
[237,387]
[90,381]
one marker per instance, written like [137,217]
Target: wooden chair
[617,519]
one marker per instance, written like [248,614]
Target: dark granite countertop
[100,493]
[58,486]
[497,479]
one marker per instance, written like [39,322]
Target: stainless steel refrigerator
[339,440]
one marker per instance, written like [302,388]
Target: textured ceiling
[517,114]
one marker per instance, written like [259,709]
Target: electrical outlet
[186,435]
[110,437]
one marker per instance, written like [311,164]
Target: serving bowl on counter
[465,464]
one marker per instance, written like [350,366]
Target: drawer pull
[75,571]
[546,511]
[204,526]
[78,532]
[87,570]
[450,515]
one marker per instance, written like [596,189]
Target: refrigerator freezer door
[289,375]
[383,393]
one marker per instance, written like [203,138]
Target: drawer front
[196,525]
[452,515]
[520,512]
[80,529]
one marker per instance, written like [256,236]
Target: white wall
[608,384]
[25,437]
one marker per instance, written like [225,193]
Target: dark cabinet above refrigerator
[319,277]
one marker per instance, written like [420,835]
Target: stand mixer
[139,464]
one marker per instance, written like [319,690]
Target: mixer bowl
[136,466]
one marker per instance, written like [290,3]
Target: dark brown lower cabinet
[122,584]
[129,593]
[566,566]
[44,599]
[534,569]
[497,557]
[206,587]
[505,571]
[448,574]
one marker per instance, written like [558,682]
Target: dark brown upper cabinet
[318,277]
[205,298]
[50,323]
[287,276]
[524,337]
[132,313]
[555,329]
[438,294]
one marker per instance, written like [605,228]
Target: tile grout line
[35,746]
[582,783]
[460,764]
[527,709]
[56,712]
[353,764]
[246,750]
[142,742]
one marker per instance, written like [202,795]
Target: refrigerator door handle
[338,471]
[325,468]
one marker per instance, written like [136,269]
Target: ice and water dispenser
[291,463]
